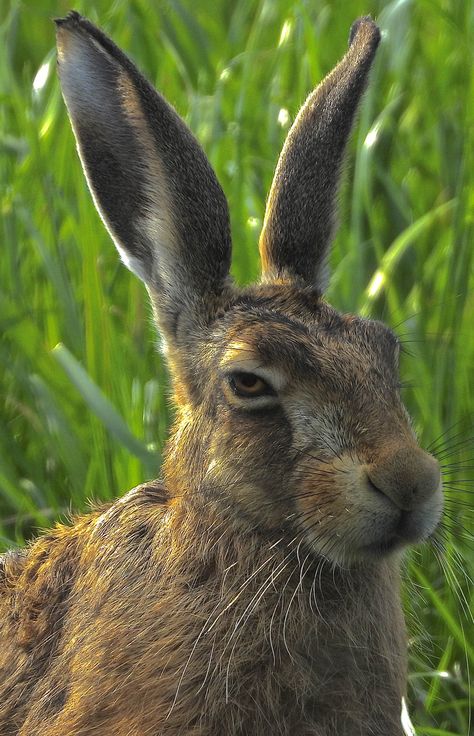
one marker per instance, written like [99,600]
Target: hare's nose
[406,475]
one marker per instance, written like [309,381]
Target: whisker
[440,437]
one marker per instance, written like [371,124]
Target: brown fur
[225,634]
[256,590]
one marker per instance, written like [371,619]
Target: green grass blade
[102,407]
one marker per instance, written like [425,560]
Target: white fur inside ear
[133,264]
[159,232]
[157,224]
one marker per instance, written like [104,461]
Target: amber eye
[249,385]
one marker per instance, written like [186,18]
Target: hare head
[288,412]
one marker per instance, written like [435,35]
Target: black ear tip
[73,18]
[366,26]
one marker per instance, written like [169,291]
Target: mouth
[408,529]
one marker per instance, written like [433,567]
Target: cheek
[324,427]
[252,457]
[327,503]
[256,444]
[320,502]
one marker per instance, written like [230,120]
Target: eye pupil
[248,380]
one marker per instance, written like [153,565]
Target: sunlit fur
[174,617]
[255,589]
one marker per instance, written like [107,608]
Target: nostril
[373,486]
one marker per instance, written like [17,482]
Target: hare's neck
[327,645]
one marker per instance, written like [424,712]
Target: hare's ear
[299,219]
[151,182]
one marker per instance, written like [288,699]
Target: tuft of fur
[255,590]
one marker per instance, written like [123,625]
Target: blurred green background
[83,391]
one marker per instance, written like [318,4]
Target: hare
[255,590]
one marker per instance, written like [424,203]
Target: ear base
[300,214]
[151,182]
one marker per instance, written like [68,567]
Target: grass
[83,409]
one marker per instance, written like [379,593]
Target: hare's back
[62,598]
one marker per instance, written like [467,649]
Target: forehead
[299,329]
